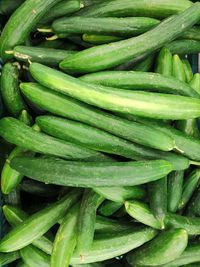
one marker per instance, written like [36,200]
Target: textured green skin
[7,6]
[99,119]
[47,56]
[10,89]
[6,258]
[189,127]
[165,248]
[184,46]
[160,106]
[86,220]
[72,109]
[38,224]
[143,214]
[132,80]
[193,208]
[21,135]
[178,70]
[108,208]
[164,62]
[108,56]
[25,117]
[145,65]
[90,174]
[174,190]
[193,34]
[108,26]
[195,82]
[99,39]
[17,29]
[188,69]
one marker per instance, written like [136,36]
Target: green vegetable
[193,34]
[6,258]
[188,70]
[145,65]
[184,46]
[25,117]
[178,69]
[164,62]
[195,82]
[99,39]
[189,127]
[108,208]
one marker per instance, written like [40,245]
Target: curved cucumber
[91,174]
[164,62]
[178,70]
[188,69]
[184,46]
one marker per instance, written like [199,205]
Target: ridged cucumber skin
[109,208]
[108,122]
[47,56]
[38,224]
[165,248]
[127,27]
[184,46]
[174,190]
[72,109]
[134,80]
[10,89]
[164,62]
[178,70]
[6,258]
[195,82]
[27,138]
[91,174]
[143,214]
[98,39]
[114,54]
[188,69]
[17,30]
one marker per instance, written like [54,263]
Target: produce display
[99,133]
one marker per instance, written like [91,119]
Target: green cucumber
[165,248]
[126,27]
[189,127]
[164,62]
[25,117]
[98,39]
[7,7]
[6,258]
[108,208]
[38,224]
[145,65]
[23,136]
[58,44]
[132,80]
[100,119]
[195,82]
[13,198]
[66,238]
[178,70]
[107,56]
[184,46]
[174,190]
[22,264]
[47,56]
[10,89]
[188,70]
[91,174]
[143,214]
[86,220]
[193,34]
[17,29]
[120,194]
[193,208]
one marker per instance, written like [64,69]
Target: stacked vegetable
[101,129]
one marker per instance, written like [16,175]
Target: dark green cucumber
[153,105]
[10,89]
[145,65]
[101,119]
[7,7]
[38,224]
[193,208]
[165,248]
[178,70]
[189,127]
[17,29]
[6,258]
[72,109]
[193,34]
[24,136]
[47,56]
[188,70]
[174,190]
[184,46]
[195,82]
[143,214]
[108,208]
[91,174]
[132,80]
[25,117]
[86,220]
[107,56]
[164,62]
[98,39]
[126,27]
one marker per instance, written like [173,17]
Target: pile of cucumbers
[99,132]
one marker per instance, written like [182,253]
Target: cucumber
[66,238]
[152,105]
[101,119]
[126,27]
[193,208]
[17,29]
[145,65]
[143,214]
[25,117]
[108,56]
[164,62]
[195,82]
[47,56]
[7,7]
[108,208]
[10,89]
[98,39]
[86,220]
[174,190]
[132,80]
[13,198]
[188,70]
[58,44]
[184,46]
[178,70]
[22,264]
[193,34]
[23,136]
[165,248]
[6,258]
[189,127]
[38,224]
[120,194]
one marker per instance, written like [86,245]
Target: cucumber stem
[44,30]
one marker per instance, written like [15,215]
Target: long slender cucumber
[164,62]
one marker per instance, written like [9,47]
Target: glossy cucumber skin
[72,109]
[110,26]
[38,224]
[47,56]
[102,173]
[164,248]
[98,39]
[10,89]
[27,138]
[6,258]
[164,62]
[108,208]
[132,80]
[114,54]
[17,30]
[188,70]
[184,46]
[178,70]
[160,106]
[101,119]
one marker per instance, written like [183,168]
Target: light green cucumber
[178,70]
[164,62]
[188,70]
